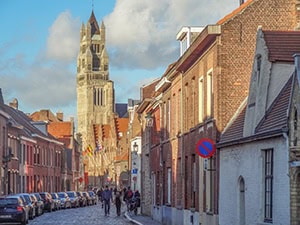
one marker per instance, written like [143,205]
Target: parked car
[48,201]
[35,205]
[56,200]
[28,202]
[82,199]
[74,199]
[88,198]
[93,197]
[65,201]
[13,210]
[40,203]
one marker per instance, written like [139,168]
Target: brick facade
[224,53]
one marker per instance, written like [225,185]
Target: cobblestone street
[91,215]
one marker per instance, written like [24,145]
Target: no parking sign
[205,148]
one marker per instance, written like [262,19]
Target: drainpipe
[182,143]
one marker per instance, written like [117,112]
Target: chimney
[60,116]
[14,104]
[297,65]
[1,97]
[242,2]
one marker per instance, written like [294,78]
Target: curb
[131,220]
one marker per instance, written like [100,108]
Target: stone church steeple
[95,91]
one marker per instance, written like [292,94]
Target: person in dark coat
[118,202]
[107,198]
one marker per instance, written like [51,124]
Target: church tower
[95,91]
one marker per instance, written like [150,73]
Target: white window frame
[201,99]
[209,93]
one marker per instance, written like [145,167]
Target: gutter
[256,137]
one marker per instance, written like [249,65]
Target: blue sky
[39,44]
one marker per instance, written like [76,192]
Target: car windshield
[8,201]
[71,194]
[27,198]
[61,195]
[37,196]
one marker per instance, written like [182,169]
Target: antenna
[93,5]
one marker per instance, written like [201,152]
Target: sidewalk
[140,219]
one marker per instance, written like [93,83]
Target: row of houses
[39,152]
[236,83]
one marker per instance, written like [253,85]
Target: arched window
[258,68]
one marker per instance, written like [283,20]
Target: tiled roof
[60,129]
[148,90]
[282,45]
[235,130]
[22,119]
[43,115]
[121,124]
[277,115]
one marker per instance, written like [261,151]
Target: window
[165,119]
[194,181]
[268,182]
[169,186]
[201,99]
[258,68]
[169,117]
[209,92]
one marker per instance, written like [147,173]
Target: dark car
[48,201]
[74,199]
[40,203]
[12,210]
[56,200]
[28,202]
[93,197]
[82,199]
[65,201]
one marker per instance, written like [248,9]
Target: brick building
[254,148]
[64,131]
[31,156]
[195,99]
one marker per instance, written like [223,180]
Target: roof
[24,120]
[235,130]
[277,115]
[275,119]
[121,124]
[94,24]
[282,45]
[44,115]
[121,109]
[60,129]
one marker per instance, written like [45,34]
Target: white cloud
[63,40]
[142,34]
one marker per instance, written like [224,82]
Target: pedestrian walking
[99,194]
[107,198]
[118,202]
